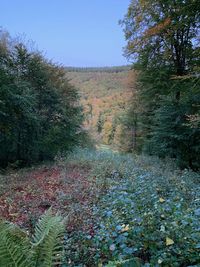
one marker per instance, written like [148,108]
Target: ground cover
[122,210]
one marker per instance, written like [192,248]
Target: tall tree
[166,30]
[163,42]
[39,110]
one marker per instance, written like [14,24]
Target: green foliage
[160,32]
[150,210]
[179,139]
[43,249]
[141,211]
[164,121]
[14,246]
[125,263]
[162,37]
[100,123]
[39,111]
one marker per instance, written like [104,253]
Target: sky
[81,33]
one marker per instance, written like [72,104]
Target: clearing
[119,207]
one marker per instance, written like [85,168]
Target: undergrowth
[149,211]
[123,210]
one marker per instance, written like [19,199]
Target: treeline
[164,116]
[39,110]
[98,69]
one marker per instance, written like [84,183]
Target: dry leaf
[126,228]
[169,241]
[161,200]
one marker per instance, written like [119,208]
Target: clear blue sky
[71,32]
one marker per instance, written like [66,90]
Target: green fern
[14,246]
[47,240]
[44,249]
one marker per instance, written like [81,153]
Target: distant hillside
[99,69]
[104,95]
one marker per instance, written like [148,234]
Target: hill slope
[119,207]
[104,96]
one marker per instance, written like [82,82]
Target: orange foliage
[103,93]
[157,28]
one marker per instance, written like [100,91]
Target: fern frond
[14,246]
[42,228]
[16,249]
[47,240]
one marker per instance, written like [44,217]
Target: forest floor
[119,207]
[25,195]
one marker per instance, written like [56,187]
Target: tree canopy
[163,43]
[39,111]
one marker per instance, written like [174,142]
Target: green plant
[126,263]
[43,249]
[149,211]
[40,113]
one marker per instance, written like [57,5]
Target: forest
[105,97]
[39,114]
[100,166]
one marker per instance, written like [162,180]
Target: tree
[100,122]
[162,40]
[164,33]
[39,112]
[108,132]
[165,29]
[129,119]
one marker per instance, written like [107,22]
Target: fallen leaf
[161,200]
[125,229]
[169,241]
